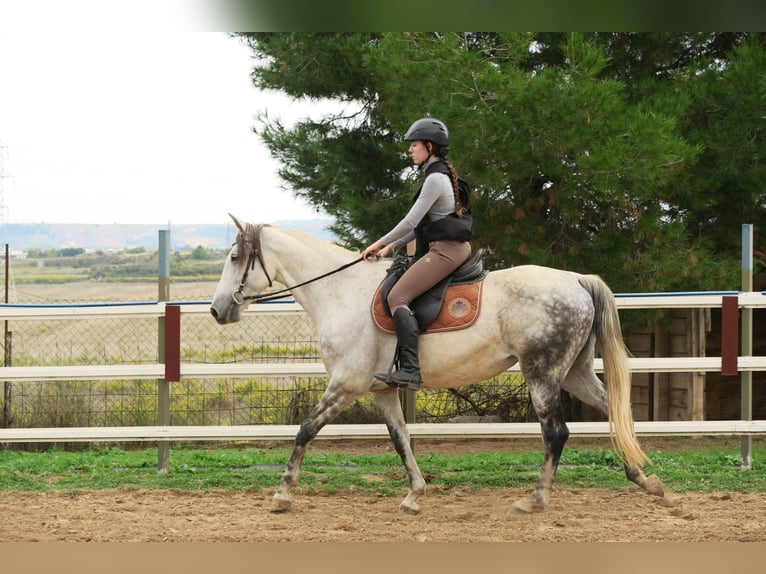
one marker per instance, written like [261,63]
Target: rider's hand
[371,253]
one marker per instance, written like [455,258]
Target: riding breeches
[441,259]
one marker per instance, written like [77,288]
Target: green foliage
[636,156]
[48,279]
[200,252]
[262,351]
[243,401]
[82,404]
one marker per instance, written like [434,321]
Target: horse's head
[243,275]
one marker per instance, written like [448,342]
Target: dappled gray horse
[547,320]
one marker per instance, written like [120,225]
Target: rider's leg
[442,258]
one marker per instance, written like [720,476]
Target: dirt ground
[573,515]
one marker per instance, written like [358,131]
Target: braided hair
[441,153]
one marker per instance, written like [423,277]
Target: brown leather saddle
[451,304]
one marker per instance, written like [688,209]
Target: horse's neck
[298,258]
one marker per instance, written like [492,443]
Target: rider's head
[433,133]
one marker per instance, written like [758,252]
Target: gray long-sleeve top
[436,197]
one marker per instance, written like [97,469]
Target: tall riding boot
[407,332]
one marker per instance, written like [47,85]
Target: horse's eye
[233,256]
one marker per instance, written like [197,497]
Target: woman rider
[442,236]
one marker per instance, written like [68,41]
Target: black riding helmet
[429,129]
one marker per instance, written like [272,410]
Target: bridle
[239,296]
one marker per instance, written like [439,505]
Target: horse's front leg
[333,401]
[388,402]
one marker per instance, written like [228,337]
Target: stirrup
[387,377]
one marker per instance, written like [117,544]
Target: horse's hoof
[280,503]
[411,508]
[654,485]
[669,500]
[524,506]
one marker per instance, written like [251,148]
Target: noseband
[239,296]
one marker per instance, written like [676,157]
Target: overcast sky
[136,127]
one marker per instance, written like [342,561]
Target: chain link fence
[258,338]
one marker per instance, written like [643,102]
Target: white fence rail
[246,370]
[368,431]
[275,432]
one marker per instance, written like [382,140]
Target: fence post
[8,359]
[163,385]
[172,344]
[7,385]
[746,385]
[729,335]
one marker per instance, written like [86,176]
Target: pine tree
[634,156]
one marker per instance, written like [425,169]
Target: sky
[137,127]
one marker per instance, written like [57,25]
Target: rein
[239,297]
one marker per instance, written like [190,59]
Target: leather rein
[256,253]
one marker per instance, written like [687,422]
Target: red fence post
[729,335]
[172,343]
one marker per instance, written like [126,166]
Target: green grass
[240,469]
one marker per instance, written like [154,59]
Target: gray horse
[547,320]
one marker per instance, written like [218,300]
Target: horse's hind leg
[333,401]
[583,383]
[547,403]
[388,402]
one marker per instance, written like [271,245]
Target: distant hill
[24,236]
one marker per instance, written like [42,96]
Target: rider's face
[418,151]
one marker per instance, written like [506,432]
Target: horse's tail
[606,325]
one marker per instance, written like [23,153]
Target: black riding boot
[407,332]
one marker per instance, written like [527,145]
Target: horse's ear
[238,223]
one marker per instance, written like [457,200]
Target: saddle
[451,304]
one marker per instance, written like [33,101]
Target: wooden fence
[172,369]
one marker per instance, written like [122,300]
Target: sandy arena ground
[573,515]
[462,515]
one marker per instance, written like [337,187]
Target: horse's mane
[244,237]
[251,231]
[305,237]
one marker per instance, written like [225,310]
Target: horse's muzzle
[229,314]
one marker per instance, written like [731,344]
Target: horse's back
[536,281]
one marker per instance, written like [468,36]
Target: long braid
[459,208]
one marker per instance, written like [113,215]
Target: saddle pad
[460,309]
